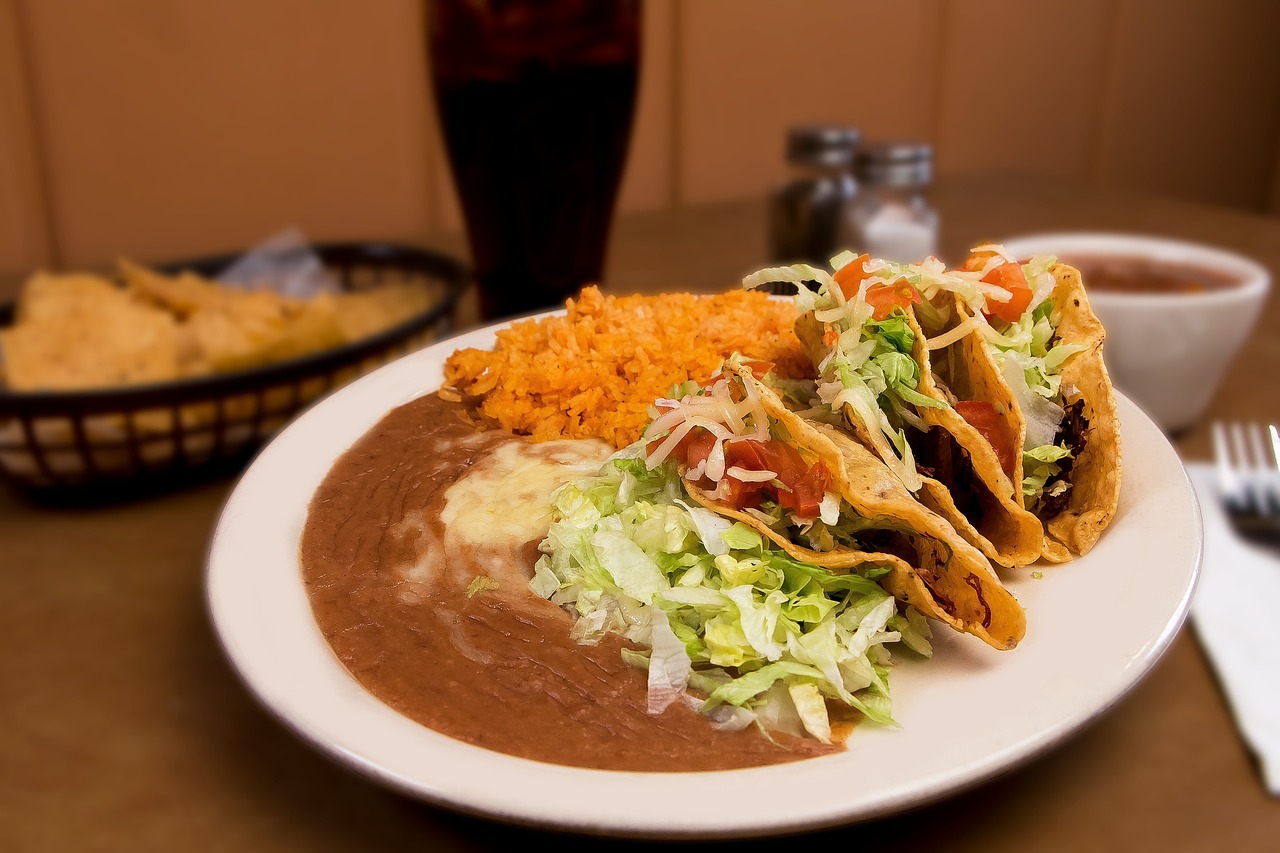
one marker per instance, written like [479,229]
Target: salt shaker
[891,217]
[808,212]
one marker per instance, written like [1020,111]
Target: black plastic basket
[172,431]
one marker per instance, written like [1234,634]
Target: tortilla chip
[76,332]
[312,327]
[365,313]
[97,343]
[48,298]
[219,340]
[253,328]
[183,294]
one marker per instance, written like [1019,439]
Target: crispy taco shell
[992,516]
[963,368]
[931,567]
[1095,472]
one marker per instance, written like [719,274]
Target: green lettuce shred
[1039,464]
[627,553]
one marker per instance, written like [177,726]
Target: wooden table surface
[122,727]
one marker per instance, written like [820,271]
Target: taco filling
[825,499]
[869,328]
[1021,336]
[1037,352]
[862,345]
[733,455]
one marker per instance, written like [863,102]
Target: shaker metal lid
[822,144]
[899,164]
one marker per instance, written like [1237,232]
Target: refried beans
[446,631]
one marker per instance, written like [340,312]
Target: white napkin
[1236,614]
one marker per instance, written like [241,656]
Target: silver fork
[1248,464]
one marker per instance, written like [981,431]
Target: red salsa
[1143,275]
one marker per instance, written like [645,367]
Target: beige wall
[179,126]
[164,128]
[24,226]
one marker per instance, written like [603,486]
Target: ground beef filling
[941,457]
[1071,435]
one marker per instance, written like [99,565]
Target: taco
[1039,355]
[826,500]
[863,330]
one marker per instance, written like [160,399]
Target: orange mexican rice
[596,371]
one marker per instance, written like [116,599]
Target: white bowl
[1167,351]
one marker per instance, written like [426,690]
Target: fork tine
[1229,485]
[1247,459]
[1259,477]
[1269,467]
[1247,462]
[1246,495]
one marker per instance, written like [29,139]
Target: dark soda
[536,102]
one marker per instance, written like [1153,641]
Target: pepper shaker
[807,212]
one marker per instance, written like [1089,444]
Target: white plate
[1094,628]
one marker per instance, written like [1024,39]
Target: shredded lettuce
[718,611]
[871,370]
[1029,343]
[1039,465]
[1030,357]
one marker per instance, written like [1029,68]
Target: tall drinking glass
[536,99]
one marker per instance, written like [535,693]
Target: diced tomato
[1008,276]
[850,276]
[885,297]
[696,446]
[982,416]
[742,494]
[802,486]
[805,497]
[773,455]
[977,260]
[759,368]
[692,449]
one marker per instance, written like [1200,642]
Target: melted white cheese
[504,501]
